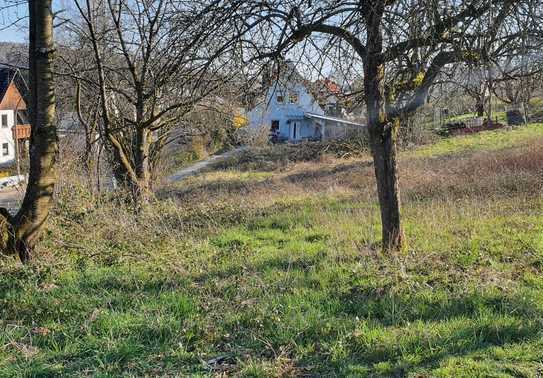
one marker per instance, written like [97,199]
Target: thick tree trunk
[383,146]
[38,198]
[25,227]
[382,133]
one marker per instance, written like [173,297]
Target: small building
[291,113]
[14,125]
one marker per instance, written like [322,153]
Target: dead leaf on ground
[42,331]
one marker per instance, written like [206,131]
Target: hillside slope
[279,273]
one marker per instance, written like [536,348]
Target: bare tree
[519,75]
[380,32]
[152,62]
[20,233]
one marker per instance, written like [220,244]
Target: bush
[536,103]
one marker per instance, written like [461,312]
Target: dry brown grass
[494,173]
[516,171]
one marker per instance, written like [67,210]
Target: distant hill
[14,53]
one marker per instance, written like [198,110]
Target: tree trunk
[382,133]
[25,227]
[480,107]
[383,146]
[142,168]
[134,175]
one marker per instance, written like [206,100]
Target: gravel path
[11,198]
[199,166]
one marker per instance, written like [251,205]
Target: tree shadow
[327,172]
[323,175]
[407,332]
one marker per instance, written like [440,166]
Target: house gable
[11,85]
[12,98]
[285,101]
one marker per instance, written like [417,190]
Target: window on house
[293,97]
[5,149]
[280,99]
[4,120]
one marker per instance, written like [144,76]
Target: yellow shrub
[240,121]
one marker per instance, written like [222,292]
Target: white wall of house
[7,143]
[286,103]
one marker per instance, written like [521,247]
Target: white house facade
[14,126]
[291,113]
[7,141]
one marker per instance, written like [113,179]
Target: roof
[327,118]
[6,77]
[9,75]
[329,86]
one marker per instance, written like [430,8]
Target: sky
[10,14]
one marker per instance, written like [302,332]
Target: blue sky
[13,33]
[18,33]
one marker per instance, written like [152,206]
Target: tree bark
[25,227]
[383,143]
[134,174]
[480,107]
[142,165]
[382,133]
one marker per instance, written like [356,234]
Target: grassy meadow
[275,270]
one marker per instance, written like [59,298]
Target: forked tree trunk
[24,228]
[382,133]
[134,175]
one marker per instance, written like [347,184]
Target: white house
[13,123]
[291,113]
[7,142]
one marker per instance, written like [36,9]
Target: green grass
[485,141]
[500,116]
[260,273]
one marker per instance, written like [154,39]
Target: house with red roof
[14,124]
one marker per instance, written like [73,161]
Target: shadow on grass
[327,172]
[146,317]
[433,343]
[244,186]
